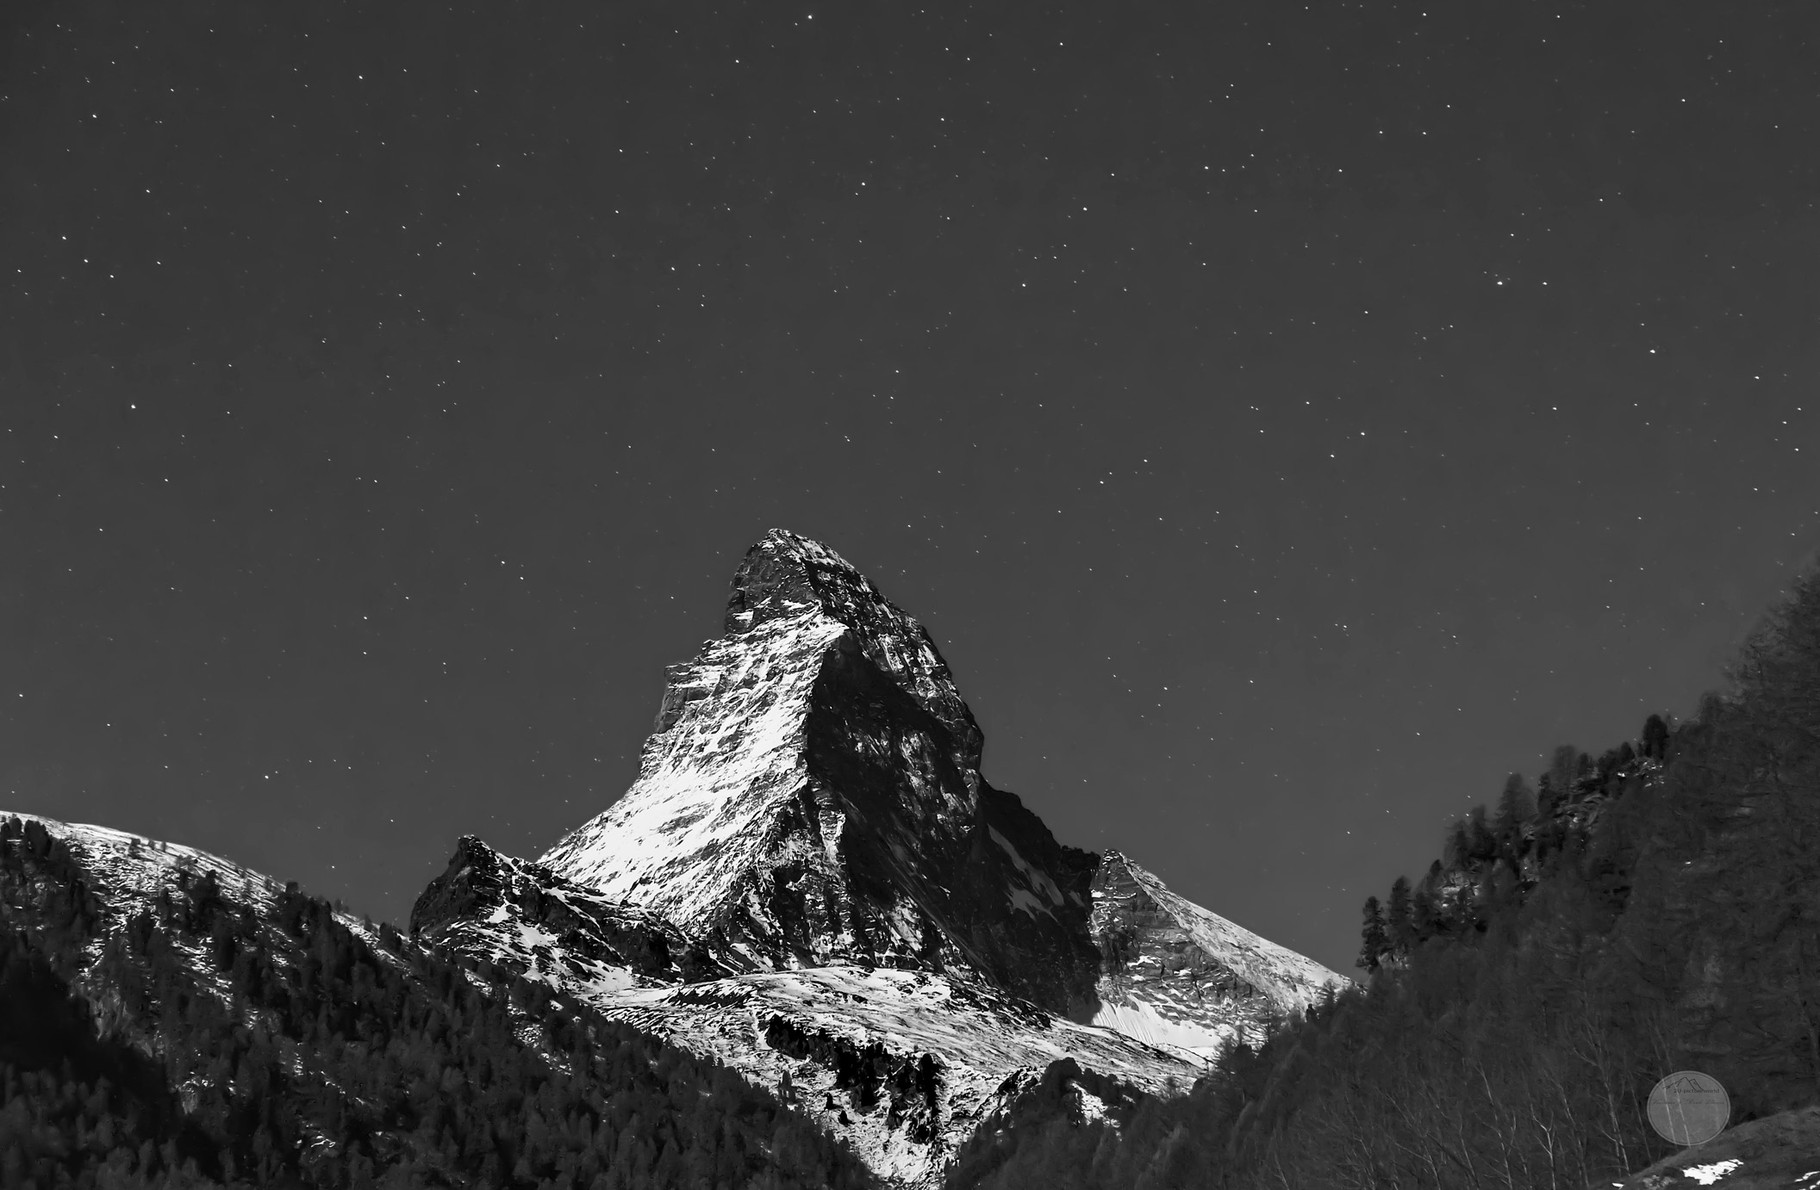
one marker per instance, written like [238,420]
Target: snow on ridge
[1290,978]
[142,866]
[138,867]
[128,872]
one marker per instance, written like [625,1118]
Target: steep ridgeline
[811,882]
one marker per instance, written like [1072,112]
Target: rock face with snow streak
[1173,973]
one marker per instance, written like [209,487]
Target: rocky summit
[812,882]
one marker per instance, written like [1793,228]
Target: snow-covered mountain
[811,882]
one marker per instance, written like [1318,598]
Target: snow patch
[1706,1175]
[1142,1021]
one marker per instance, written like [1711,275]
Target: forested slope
[199,1043]
[1649,910]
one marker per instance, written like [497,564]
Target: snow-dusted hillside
[129,872]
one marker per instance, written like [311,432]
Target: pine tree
[1563,769]
[1399,923]
[1516,807]
[1481,845]
[1374,939]
[1458,845]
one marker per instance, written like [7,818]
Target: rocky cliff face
[811,881]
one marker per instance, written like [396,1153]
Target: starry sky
[1288,420]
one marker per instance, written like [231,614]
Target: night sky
[1287,420]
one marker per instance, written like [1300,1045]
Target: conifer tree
[1563,769]
[1399,924]
[1374,941]
[1516,807]
[1458,847]
[1481,845]
[1421,914]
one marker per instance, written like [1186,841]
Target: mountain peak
[811,793]
[787,574]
